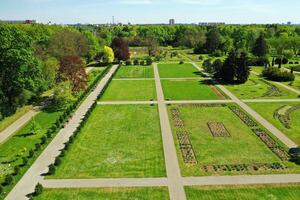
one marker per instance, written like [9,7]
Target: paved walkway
[133,79]
[126,102]
[186,181]
[34,175]
[108,182]
[176,189]
[242,180]
[19,123]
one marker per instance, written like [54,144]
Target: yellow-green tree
[109,55]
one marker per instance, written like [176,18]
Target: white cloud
[201,2]
[136,2]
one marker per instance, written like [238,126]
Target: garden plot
[130,90]
[262,192]
[135,72]
[105,194]
[178,71]
[242,152]
[258,88]
[189,90]
[117,141]
[285,116]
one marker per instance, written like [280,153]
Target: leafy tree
[72,68]
[20,73]
[213,40]
[152,46]
[66,43]
[192,37]
[62,95]
[260,47]
[49,72]
[242,68]
[108,54]
[93,45]
[120,48]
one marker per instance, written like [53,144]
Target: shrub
[142,62]
[181,62]
[25,161]
[1,189]
[16,170]
[8,180]
[217,53]
[149,61]
[51,169]
[37,147]
[201,57]
[57,161]
[43,140]
[259,61]
[38,189]
[275,74]
[31,153]
[136,62]
[128,62]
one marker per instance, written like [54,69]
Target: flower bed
[244,117]
[243,167]
[272,144]
[272,91]
[218,129]
[186,148]
[283,114]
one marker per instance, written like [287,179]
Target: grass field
[135,72]
[254,88]
[261,192]
[187,90]
[267,110]
[243,147]
[94,73]
[19,145]
[135,90]
[296,83]
[11,119]
[177,70]
[117,141]
[106,194]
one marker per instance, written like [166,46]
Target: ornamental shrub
[8,180]
[276,74]
[38,189]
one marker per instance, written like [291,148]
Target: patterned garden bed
[218,129]
[244,117]
[283,114]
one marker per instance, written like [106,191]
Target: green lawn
[243,147]
[261,192]
[105,194]
[255,88]
[117,141]
[295,84]
[19,145]
[4,123]
[267,110]
[187,90]
[130,90]
[177,71]
[135,72]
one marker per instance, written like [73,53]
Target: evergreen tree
[242,69]
[261,47]
[227,72]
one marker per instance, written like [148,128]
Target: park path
[126,102]
[281,136]
[34,174]
[19,123]
[176,189]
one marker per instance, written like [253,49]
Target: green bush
[276,74]
[16,170]
[181,62]
[8,180]
[25,161]
[149,61]
[1,189]
[128,62]
[136,62]
[38,189]
[51,169]
[31,153]
[57,161]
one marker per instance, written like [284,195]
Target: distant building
[28,21]
[171,21]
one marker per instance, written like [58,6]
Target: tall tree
[20,72]
[242,69]
[260,47]
[120,48]
[67,43]
[72,68]
[108,54]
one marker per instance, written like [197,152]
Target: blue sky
[152,11]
